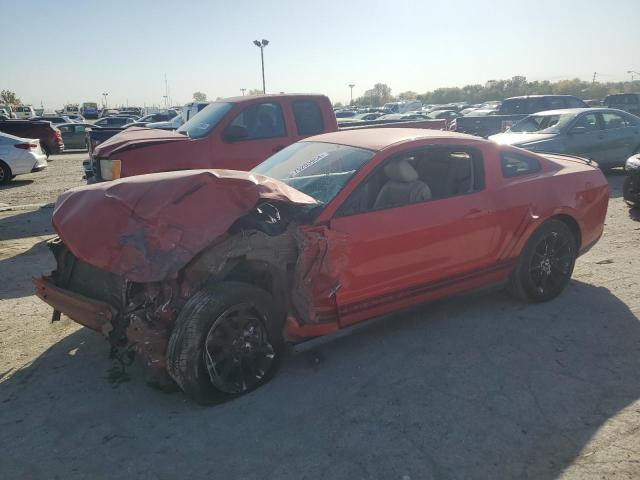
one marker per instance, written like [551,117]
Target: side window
[613,120]
[588,122]
[538,105]
[574,103]
[80,128]
[64,128]
[417,176]
[262,120]
[633,121]
[555,103]
[515,164]
[514,107]
[308,117]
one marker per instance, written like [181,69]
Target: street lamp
[104,99]
[243,90]
[261,45]
[351,85]
[633,72]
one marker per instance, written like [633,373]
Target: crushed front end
[132,316]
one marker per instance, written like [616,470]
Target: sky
[68,51]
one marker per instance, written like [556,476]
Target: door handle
[474,212]
[601,136]
[277,149]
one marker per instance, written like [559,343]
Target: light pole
[633,72]
[261,45]
[243,90]
[165,100]
[104,96]
[351,85]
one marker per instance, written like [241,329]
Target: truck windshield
[318,169]
[542,123]
[205,120]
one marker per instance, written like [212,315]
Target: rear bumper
[93,314]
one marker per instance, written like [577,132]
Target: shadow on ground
[616,177]
[476,387]
[15,183]
[17,271]
[28,223]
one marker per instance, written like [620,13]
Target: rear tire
[227,342]
[5,173]
[545,264]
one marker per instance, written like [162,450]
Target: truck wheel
[227,341]
[5,173]
[545,264]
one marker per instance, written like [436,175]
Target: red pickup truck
[235,133]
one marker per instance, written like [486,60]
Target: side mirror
[578,130]
[234,133]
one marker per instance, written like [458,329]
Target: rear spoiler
[571,158]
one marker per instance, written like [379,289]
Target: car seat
[403,186]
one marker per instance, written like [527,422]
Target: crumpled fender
[323,253]
[148,227]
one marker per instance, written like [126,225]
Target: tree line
[497,90]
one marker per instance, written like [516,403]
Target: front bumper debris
[93,314]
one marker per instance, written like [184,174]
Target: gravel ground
[479,386]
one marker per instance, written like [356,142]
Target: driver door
[586,137]
[403,254]
[265,134]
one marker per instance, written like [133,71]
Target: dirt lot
[475,387]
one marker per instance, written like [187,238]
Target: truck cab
[235,133]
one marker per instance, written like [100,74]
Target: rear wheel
[227,342]
[5,173]
[545,264]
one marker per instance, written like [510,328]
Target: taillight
[26,146]
[58,134]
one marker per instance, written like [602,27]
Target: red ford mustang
[207,273]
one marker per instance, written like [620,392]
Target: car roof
[382,138]
[247,98]
[538,96]
[564,111]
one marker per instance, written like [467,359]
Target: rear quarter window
[515,164]
[308,117]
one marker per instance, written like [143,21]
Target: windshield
[318,169]
[205,120]
[542,123]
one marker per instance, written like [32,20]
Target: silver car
[605,135]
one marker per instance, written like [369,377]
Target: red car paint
[143,150]
[347,268]
[49,136]
[148,237]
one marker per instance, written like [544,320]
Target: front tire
[227,342]
[545,264]
[5,173]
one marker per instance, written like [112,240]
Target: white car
[19,156]
[25,111]
[173,124]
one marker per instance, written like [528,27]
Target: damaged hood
[148,227]
[137,136]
